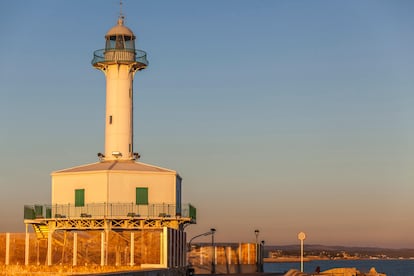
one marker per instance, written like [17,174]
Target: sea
[400,267]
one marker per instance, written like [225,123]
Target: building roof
[129,165]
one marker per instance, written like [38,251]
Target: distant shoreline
[316,258]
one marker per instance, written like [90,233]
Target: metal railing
[119,55]
[109,210]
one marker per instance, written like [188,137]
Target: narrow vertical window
[79,197]
[110,119]
[141,195]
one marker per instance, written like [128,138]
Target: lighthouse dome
[120,29]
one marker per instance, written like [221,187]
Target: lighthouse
[117,192]
[116,198]
[119,62]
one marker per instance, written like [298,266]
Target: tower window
[141,196]
[79,197]
[110,120]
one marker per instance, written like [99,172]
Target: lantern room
[120,37]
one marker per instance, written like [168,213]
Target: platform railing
[119,55]
[108,210]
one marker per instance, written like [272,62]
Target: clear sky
[282,116]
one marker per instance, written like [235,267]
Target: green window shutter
[141,196]
[79,197]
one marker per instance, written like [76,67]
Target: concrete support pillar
[102,248]
[172,248]
[49,248]
[131,253]
[26,246]
[180,248]
[106,245]
[7,260]
[75,249]
[184,247]
[164,247]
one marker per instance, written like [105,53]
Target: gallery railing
[108,210]
[119,55]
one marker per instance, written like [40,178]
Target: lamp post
[301,237]
[213,255]
[261,256]
[256,232]
[211,232]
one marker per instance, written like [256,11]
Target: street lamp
[261,256]
[301,237]
[213,255]
[211,232]
[256,232]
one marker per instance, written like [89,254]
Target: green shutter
[79,197]
[141,196]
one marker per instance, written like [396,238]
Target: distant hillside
[317,249]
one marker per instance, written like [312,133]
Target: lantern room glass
[120,42]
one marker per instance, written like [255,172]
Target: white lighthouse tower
[119,61]
[117,192]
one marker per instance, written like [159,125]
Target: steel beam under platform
[94,223]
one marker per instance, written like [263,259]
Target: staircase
[41,231]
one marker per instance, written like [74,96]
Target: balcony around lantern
[104,56]
[109,211]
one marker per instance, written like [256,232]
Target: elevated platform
[106,216]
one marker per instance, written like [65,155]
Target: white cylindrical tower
[119,61]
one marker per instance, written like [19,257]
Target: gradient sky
[282,116]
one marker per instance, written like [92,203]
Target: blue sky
[283,116]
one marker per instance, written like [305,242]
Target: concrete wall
[113,187]
[227,258]
[64,186]
[161,187]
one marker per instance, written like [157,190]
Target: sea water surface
[389,267]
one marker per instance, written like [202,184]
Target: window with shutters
[79,197]
[141,195]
